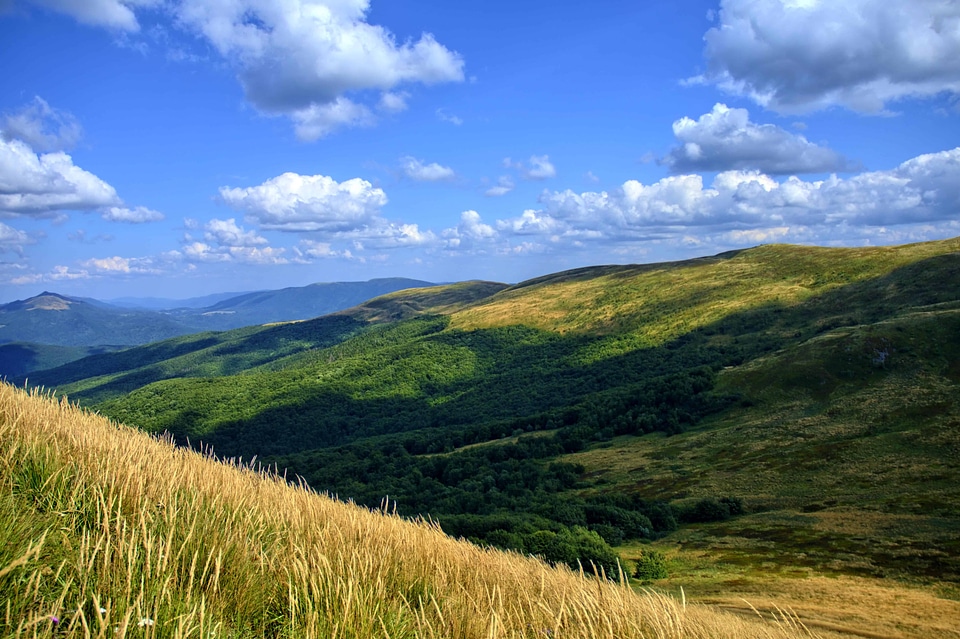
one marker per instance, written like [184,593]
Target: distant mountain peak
[47,301]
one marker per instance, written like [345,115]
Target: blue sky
[182,147]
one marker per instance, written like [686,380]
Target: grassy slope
[850,457]
[113,533]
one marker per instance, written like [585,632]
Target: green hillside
[747,407]
[17,359]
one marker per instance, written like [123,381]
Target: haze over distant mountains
[52,329]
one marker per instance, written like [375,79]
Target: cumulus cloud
[113,14]
[12,240]
[416,170]
[226,241]
[137,215]
[503,186]
[227,233]
[310,249]
[797,56]
[922,191]
[65,273]
[41,185]
[725,139]
[470,233]
[539,167]
[531,223]
[42,127]
[208,253]
[382,234]
[310,60]
[120,266]
[44,185]
[303,56]
[329,211]
[394,101]
[320,120]
[293,202]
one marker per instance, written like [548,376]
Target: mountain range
[51,329]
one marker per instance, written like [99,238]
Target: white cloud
[227,233]
[433,172]
[796,57]
[30,278]
[42,127]
[449,118]
[41,185]
[203,252]
[226,241]
[472,226]
[12,240]
[61,273]
[744,205]
[109,264]
[394,101]
[471,232]
[504,185]
[266,255]
[310,60]
[531,223]
[138,215]
[320,250]
[302,56]
[320,120]
[387,235]
[292,202]
[113,14]
[540,167]
[725,139]
[330,211]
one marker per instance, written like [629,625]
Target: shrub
[650,566]
[711,509]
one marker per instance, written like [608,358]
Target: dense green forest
[465,403]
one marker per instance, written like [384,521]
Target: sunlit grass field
[108,532]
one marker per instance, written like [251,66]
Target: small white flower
[144,622]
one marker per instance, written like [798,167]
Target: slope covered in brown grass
[107,532]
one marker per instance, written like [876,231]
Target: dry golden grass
[119,534]
[844,606]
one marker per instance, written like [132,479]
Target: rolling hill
[760,416]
